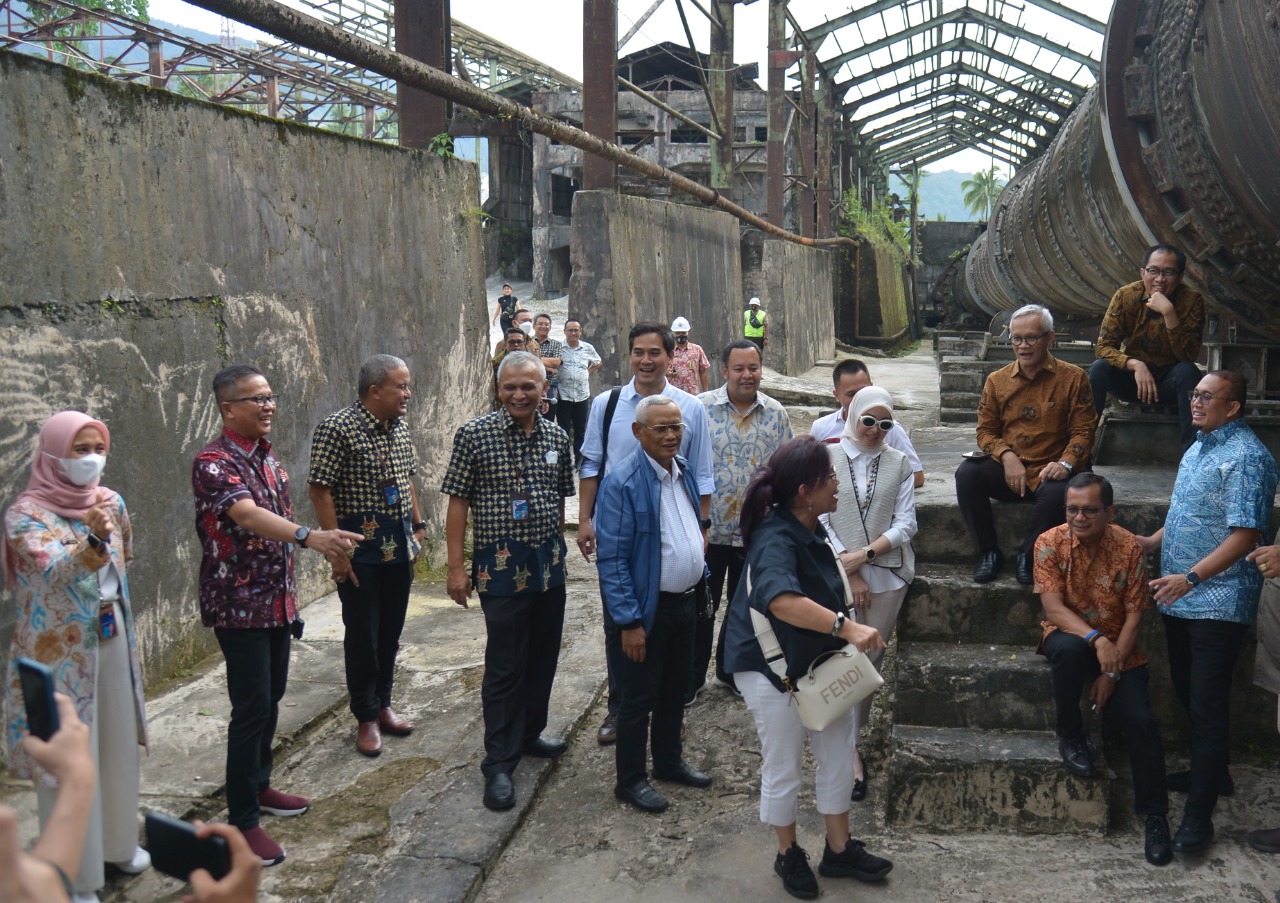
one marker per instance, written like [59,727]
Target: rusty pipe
[1178,143]
[291,25]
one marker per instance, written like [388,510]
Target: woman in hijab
[66,542]
[873,526]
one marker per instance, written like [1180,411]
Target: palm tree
[980,191]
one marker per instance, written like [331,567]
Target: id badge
[390,493]
[519,507]
[107,627]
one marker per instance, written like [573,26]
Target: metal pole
[774,162]
[722,78]
[600,87]
[422,33]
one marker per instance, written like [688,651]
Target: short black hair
[572,320]
[1087,479]
[1239,385]
[742,344]
[850,367]
[1177,253]
[228,378]
[652,327]
[515,330]
[538,317]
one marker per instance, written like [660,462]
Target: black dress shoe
[1158,849]
[546,748]
[1180,782]
[642,795]
[1075,755]
[988,568]
[608,731]
[1193,835]
[1022,570]
[499,792]
[683,774]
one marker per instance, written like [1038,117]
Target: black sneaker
[797,878]
[854,862]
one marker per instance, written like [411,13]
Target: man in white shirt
[851,377]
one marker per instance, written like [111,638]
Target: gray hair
[1038,310]
[522,359]
[376,370]
[650,401]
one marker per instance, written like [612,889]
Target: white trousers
[782,753]
[112,835]
[882,614]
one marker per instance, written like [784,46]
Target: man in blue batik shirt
[1219,511]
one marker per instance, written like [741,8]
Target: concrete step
[973,686]
[958,415]
[967,401]
[957,380]
[953,780]
[944,605]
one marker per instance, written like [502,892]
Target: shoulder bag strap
[768,640]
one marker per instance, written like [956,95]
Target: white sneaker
[140,862]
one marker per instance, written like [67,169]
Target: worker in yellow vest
[754,325]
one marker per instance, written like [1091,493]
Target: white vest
[847,521]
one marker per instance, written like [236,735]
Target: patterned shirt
[363,461]
[687,361]
[1045,419]
[1129,329]
[551,348]
[575,380]
[246,581]
[495,467]
[1227,479]
[739,446]
[1103,591]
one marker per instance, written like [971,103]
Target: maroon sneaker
[266,849]
[273,802]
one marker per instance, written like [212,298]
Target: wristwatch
[1069,468]
[840,619]
[1193,578]
[706,523]
[96,541]
[870,553]
[300,536]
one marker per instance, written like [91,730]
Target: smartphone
[177,852]
[37,693]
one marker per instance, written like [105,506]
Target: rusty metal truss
[920,80]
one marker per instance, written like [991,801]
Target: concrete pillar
[775,169]
[599,87]
[422,32]
[721,85]
[805,142]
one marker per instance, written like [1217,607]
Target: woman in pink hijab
[66,543]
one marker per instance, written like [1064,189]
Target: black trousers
[257,672]
[656,687]
[1075,667]
[1173,385]
[722,561]
[572,417]
[979,480]
[1202,657]
[373,615]
[520,656]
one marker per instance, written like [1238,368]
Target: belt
[678,597]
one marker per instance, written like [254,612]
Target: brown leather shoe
[369,739]
[393,724]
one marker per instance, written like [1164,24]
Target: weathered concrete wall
[147,240]
[795,289]
[872,297]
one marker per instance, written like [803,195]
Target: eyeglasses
[1204,397]
[260,400]
[833,476]
[1077,511]
[663,429]
[1166,272]
[1026,339]
[868,421]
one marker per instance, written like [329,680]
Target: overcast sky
[556,39]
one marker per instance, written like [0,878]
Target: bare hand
[864,637]
[1150,544]
[1108,654]
[1170,588]
[421,541]
[333,543]
[23,878]
[1148,391]
[633,643]
[861,591]
[98,519]
[1015,473]
[853,560]
[1160,303]
[1267,558]
[240,885]
[66,754]
[586,538]
[1101,691]
[459,586]
[1054,471]
[341,570]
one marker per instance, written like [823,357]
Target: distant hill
[940,192]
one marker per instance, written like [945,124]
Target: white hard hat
[679,324]
[754,302]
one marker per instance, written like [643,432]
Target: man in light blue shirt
[1219,511]
[650,345]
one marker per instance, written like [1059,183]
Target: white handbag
[834,683]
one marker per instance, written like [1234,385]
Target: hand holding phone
[177,851]
[37,693]
[241,884]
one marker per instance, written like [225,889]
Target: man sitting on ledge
[1035,425]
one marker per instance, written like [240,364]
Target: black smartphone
[37,693]
[177,852]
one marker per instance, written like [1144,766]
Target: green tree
[980,192]
[82,28]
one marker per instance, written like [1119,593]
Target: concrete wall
[795,289]
[147,240]
[872,299]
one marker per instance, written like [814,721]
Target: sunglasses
[868,421]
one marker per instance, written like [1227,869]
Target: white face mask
[82,471]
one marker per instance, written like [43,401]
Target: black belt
[666,598]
